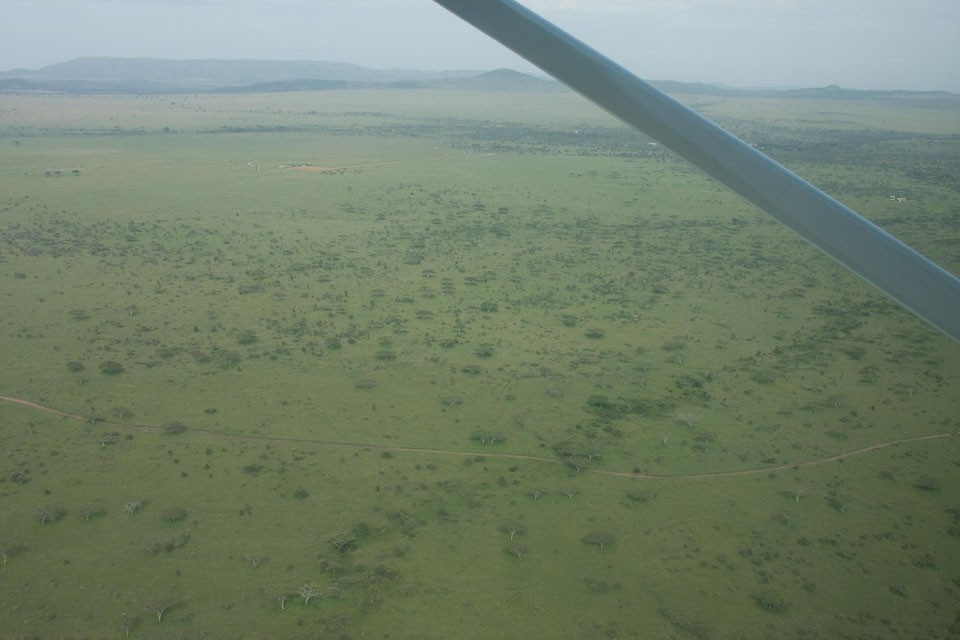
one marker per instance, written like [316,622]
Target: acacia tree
[308,592]
[343,540]
[159,607]
[12,550]
[484,437]
[111,367]
[109,437]
[599,538]
[48,513]
[173,428]
[536,493]
[516,550]
[128,623]
[513,528]
[255,559]
[92,511]
[173,514]
[688,419]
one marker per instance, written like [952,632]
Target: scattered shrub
[173,428]
[771,601]
[173,514]
[111,367]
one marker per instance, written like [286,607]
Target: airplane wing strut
[876,256]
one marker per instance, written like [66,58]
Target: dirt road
[485,454]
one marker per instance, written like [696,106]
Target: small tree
[839,503]
[132,507]
[309,591]
[771,601]
[173,514]
[173,428]
[282,598]
[599,538]
[536,493]
[111,367]
[159,607]
[569,492]
[9,551]
[122,412]
[928,483]
[92,511]
[227,358]
[486,437]
[485,350]
[688,419]
[48,513]
[128,623]
[784,517]
[255,559]
[109,437]
[343,541]
[516,550]
[513,527]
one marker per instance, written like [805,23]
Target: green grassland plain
[481,276]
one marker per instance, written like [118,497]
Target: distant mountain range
[207,75]
[153,76]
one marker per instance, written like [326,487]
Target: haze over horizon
[858,44]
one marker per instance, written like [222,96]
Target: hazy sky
[863,44]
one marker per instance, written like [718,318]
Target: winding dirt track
[508,456]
